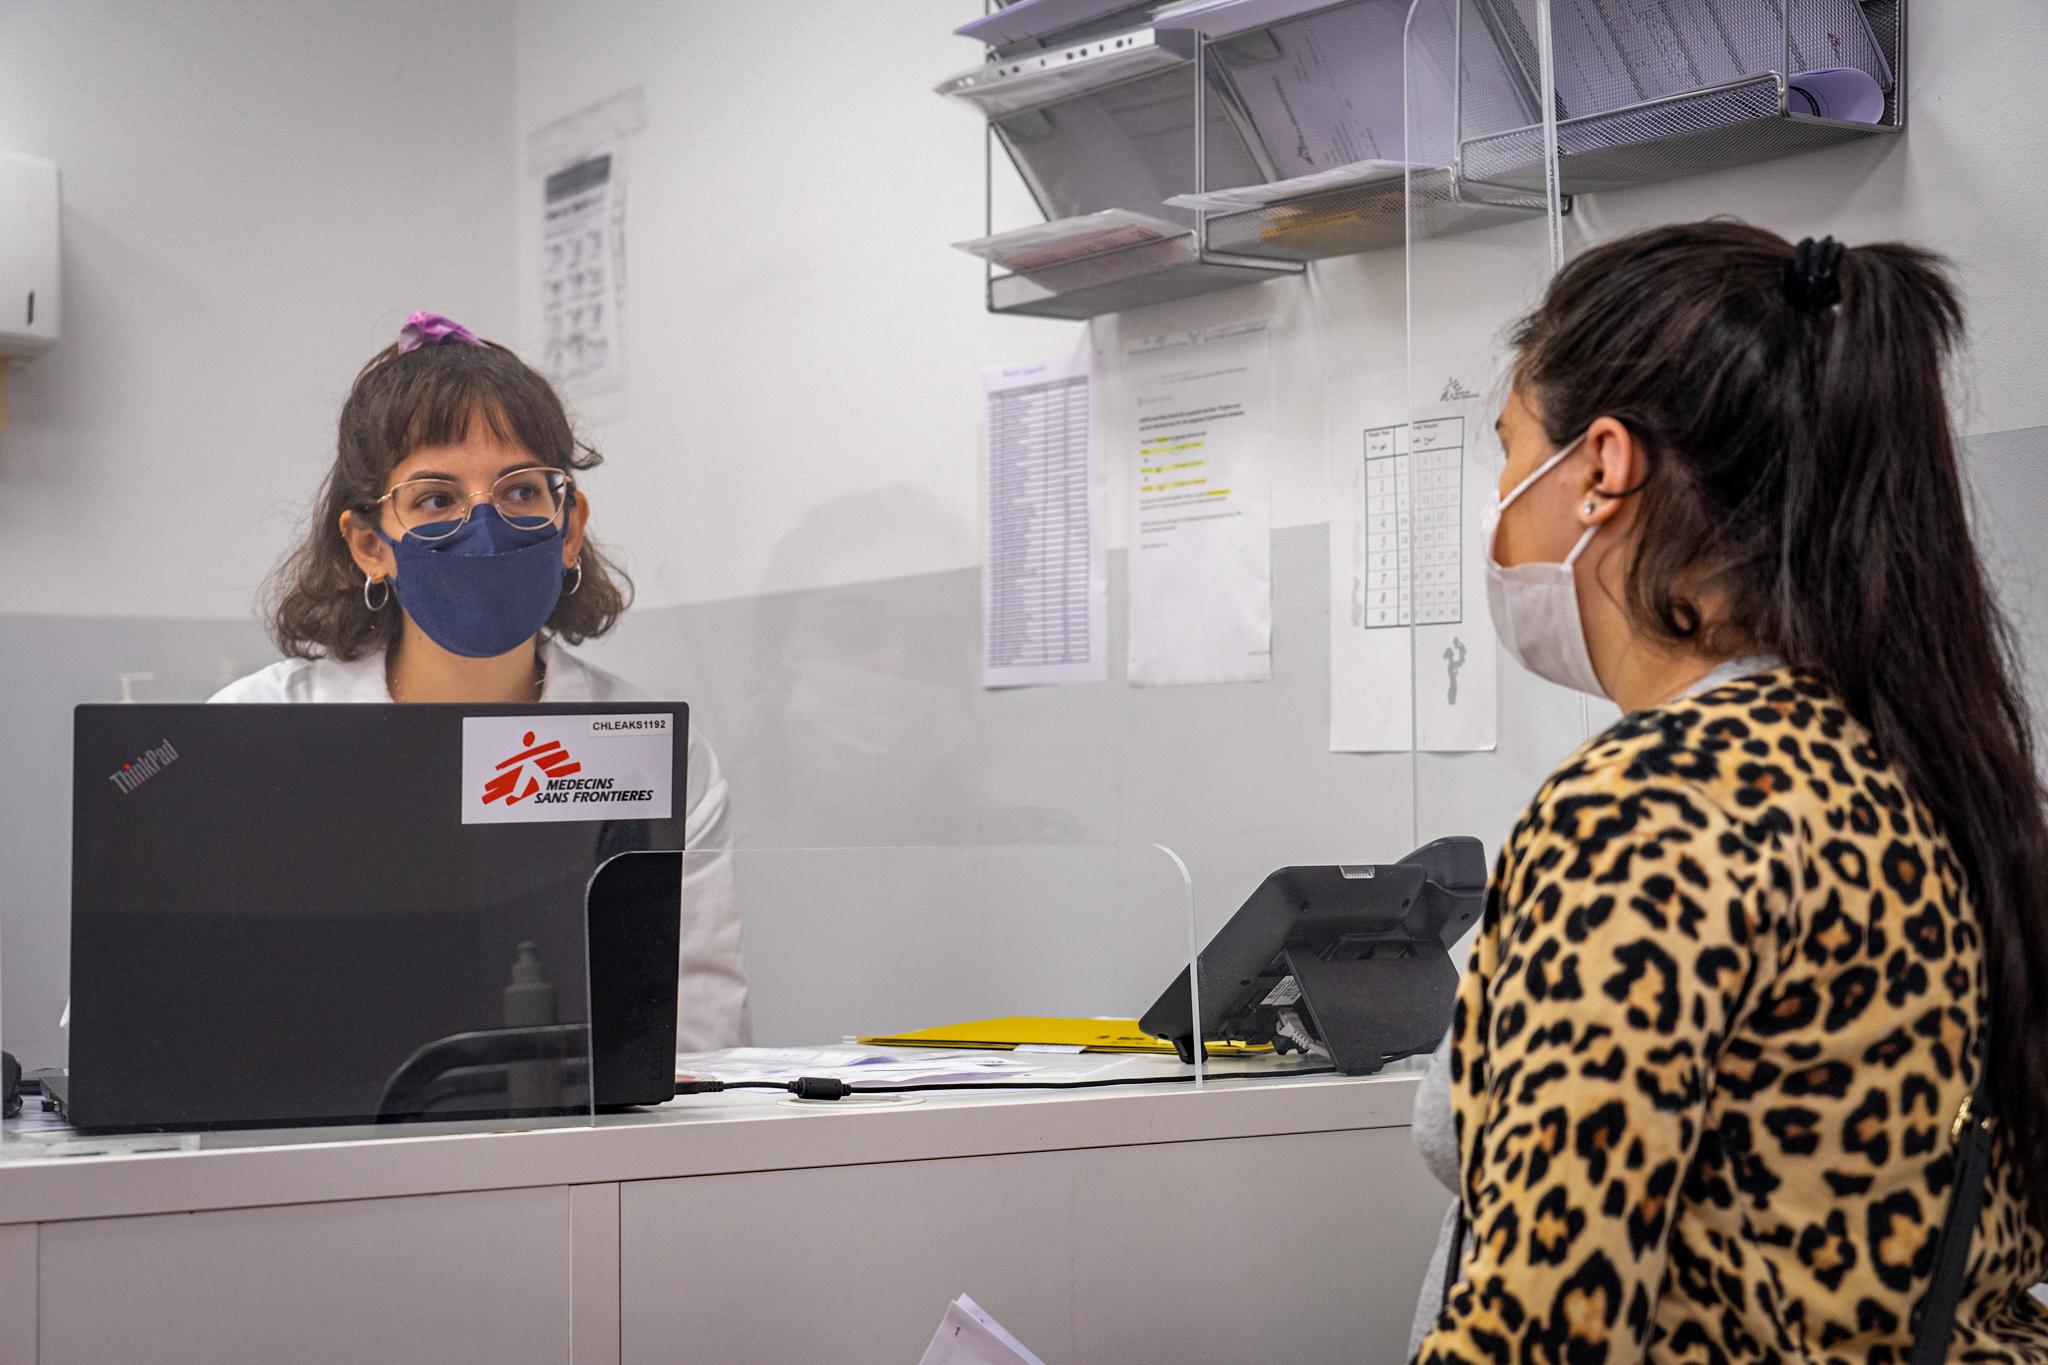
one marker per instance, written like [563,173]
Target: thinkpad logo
[147,765]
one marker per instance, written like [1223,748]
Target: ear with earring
[380,603]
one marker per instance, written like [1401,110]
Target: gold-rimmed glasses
[436,508]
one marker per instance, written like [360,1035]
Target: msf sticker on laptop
[526,769]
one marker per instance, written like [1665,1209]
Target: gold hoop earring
[578,567]
[380,603]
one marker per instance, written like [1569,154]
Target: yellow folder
[1089,1035]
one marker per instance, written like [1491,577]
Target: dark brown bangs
[429,397]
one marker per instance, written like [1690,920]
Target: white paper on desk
[1044,602]
[1413,659]
[1201,556]
[849,1064]
[582,276]
[967,1335]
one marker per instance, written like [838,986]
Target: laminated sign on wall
[582,243]
[1043,584]
[579,164]
[1201,556]
[1412,650]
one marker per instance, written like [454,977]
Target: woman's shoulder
[1761,748]
[320,679]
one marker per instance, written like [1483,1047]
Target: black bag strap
[1971,1133]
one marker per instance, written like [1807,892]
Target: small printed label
[1286,993]
[629,725]
[534,769]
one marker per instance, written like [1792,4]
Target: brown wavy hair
[1803,468]
[399,403]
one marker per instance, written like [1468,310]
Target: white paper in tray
[1253,196]
[1067,239]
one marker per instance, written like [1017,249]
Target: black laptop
[300,914]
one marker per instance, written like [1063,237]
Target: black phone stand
[1384,1000]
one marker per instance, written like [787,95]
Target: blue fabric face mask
[484,591]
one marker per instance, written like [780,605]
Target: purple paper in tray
[1848,93]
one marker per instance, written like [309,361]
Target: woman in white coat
[449,556]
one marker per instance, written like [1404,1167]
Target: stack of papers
[1275,191]
[1066,240]
[848,1064]
[969,1336]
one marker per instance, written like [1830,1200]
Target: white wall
[256,193]
[799,330]
[797,327]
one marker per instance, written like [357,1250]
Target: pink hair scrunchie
[431,329]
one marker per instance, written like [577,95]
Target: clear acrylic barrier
[1080,951]
[815,953]
[1484,730]
[843,946]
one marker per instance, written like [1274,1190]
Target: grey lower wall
[853,716]
[48,664]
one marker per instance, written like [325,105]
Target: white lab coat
[712,998]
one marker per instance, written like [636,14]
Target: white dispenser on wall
[31,292]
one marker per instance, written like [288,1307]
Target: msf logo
[551,758]
[152,762]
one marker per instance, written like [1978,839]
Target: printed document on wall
[1412,650]
[1201,556]
[967,1335]
[1043,588]
[582,281]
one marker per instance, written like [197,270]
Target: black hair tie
[1811,281]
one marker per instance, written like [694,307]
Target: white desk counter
[1271,1221]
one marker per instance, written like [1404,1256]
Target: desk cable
[832,1088]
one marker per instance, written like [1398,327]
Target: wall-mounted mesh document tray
[1781,76]
[1026,22]
[1112,125]
[1109,123]
[1322,88]
[1344,221]
[1137,275]
[1034,80]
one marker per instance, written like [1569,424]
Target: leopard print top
[1721,1011]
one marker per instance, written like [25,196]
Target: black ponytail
[1803,474]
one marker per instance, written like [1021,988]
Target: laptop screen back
[275,907]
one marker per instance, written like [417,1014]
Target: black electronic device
[280,912]
[10,1086]
[1353,959]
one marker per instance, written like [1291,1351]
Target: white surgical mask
[1535,607]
